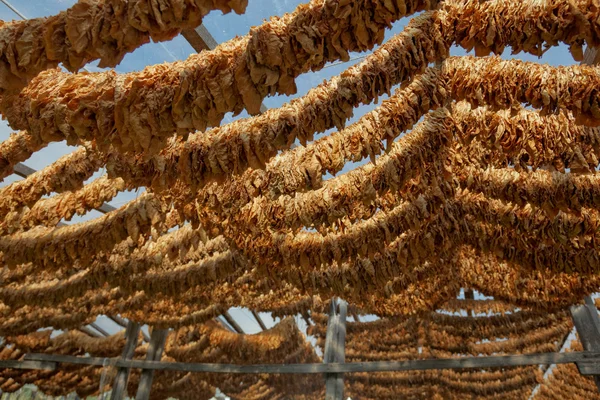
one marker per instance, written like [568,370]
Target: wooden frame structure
[589,360]
[587,323]
[335,348]
[585,317]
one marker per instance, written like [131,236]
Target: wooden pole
[340,347]
[89,332]
[335,348]
[155,349]
[592,305]
[330,334]
[306,319]
[119,389]
[585,317]
[123,322]
[99,329]
[224,324]
[232,322]
[589,360]
[584,328]
[259,320]
[118,320]
[469,295]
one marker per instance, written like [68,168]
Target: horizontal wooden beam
[28,364]
[321,368]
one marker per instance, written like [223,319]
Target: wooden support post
[123,322]
[145,336]
[335,348]
[329,354]
[155,349]
[232,322]
[28,364]
[469,295]
[259,320]
[330,335]
[306,319]
[119,389]
[592,305]
[585,317]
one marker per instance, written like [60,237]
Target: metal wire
[13,9]
[342,62]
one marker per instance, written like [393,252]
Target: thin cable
[340,62]
[13,9]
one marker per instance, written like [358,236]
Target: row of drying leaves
[346,253]
[209,343]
